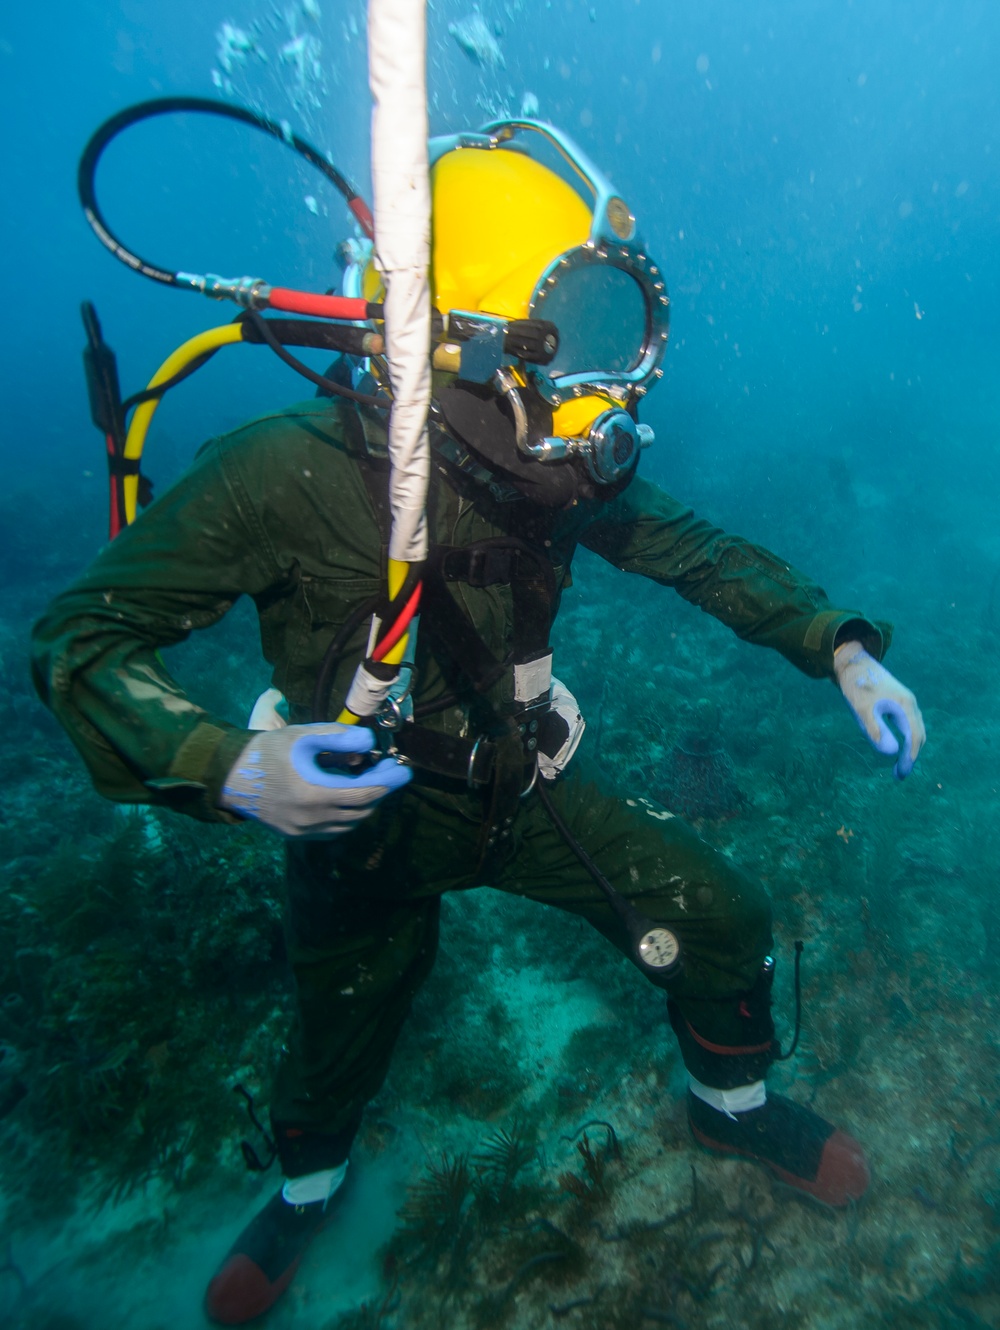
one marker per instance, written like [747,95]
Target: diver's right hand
[281,779]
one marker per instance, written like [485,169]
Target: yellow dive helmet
[541,287]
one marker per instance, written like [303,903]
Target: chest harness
[499,760]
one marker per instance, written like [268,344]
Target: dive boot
[263,1260]
[796,1144]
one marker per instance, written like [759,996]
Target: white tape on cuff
[366,693]
[564,704]
[730,1102]
[533,678]
[314,1187]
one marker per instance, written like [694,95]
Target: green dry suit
[281,510]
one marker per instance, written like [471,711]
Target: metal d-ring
[411,681]
[390,716]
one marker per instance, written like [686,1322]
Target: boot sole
[837,1195]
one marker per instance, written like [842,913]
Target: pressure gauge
[659,949]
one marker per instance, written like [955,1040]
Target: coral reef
[698,778]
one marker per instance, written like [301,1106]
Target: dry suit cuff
[199,769]
[874,636]
[830,629]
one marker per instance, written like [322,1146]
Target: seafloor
[528,1162]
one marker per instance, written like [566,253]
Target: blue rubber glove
[278,780]
[876,697]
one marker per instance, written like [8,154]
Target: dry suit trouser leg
[362,927]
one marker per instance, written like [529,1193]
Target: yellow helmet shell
[499,218]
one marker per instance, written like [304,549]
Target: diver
[465,778]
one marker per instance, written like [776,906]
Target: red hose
[324,307]
[399,627]
[116,516]
[114,522]
[363,214]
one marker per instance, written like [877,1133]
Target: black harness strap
[506,561]
[123,466]
[452,632]
[456,759]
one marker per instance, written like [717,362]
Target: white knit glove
[875,696]
[315,781]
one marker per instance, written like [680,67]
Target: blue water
[820,183]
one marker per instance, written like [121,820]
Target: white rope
[397,44]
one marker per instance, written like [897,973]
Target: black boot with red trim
[796,1144]
[263,1260]
[730,1112]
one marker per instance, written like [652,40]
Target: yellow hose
[142,416]
[398,570]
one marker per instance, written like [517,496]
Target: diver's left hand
[875,696]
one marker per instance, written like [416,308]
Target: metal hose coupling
[250,292]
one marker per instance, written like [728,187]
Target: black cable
[338,390]
[798,1004]
[132,115]
[250,1156]
[442,703]
[613,898]
[635,924]
[153,394]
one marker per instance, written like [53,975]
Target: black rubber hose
[320,335]
[636,925]
[132,115]
[261,325]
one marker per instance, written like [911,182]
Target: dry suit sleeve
[760,597]
[96,660]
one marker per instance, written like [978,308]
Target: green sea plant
[593,1184]
[435,1214]
[500,1162]
[462,1202]
[115,952]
